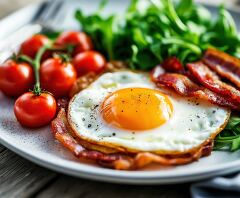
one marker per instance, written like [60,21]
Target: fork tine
[49,12]
[44,11]
[59,16]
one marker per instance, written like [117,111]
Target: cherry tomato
[79,40]
[57,76]
[89,61]
[15,78]
[35,111]
[173,64]
[32,45]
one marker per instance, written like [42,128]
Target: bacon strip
[120,161]
[225,65]
[186,87]
[60,129]
[84,81]
[209,79]
[62,103]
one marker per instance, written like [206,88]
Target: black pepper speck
[96,106]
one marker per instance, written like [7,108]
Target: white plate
[40,147]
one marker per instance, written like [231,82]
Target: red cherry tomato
[35,111]
[57,76]
[79,40]
[32,45]
[15,78]
[89,61]
[173,64]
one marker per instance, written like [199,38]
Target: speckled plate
[40,147]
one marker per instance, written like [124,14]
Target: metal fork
[47,20]
[52,16]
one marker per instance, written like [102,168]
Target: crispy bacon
[209,79]
[121,161]
[207,149]
[60,129]
[84,81]
[114,66]
[186,87]
[143,159]
[225,65]
[62,103]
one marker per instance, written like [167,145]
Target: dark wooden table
[22,178]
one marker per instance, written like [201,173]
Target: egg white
[193,121]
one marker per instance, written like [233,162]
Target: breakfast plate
[40,147]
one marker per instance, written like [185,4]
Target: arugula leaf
[102,5]
[51,35]
[234,123]
[225,23]
[152,30]
[172,14]
[229,138]
[226,37]
[235,144]
[101,30]
[184,7]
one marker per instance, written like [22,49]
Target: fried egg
[126,111]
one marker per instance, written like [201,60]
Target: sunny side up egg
[126,111]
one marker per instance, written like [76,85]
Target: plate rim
[130,177]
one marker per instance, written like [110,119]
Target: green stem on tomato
[25,59]
[36,67]
[63,56]
[36,62]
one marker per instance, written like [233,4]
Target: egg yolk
[136,108]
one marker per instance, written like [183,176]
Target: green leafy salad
[151,30]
